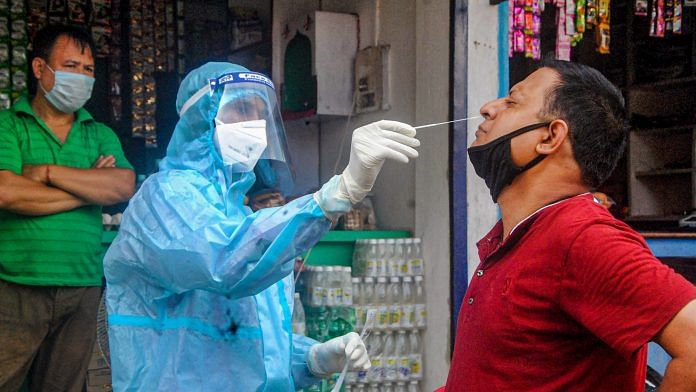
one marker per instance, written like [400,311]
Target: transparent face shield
[249,132]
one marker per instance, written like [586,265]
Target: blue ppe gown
[199,289]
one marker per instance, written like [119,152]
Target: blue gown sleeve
[177,234]
[300,371]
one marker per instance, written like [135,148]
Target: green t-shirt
[63,249]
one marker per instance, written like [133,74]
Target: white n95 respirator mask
[241,144]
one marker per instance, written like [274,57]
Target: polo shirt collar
[493,241]
[23,105]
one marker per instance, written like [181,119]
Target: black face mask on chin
[493,161]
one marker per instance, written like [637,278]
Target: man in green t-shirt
[58,167]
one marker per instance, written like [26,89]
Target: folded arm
[26,197]
[101,186]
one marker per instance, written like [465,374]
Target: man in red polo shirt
[566,297]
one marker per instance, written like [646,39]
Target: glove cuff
[332,198]
[313,363]
[352,188]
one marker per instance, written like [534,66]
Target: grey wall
[432,180]
[482,87]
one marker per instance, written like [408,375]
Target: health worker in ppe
[199,289]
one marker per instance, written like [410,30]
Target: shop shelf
[335,248]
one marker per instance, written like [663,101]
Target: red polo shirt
[566,303]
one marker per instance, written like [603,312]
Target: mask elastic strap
[509,136]
[539,157]
[533,163]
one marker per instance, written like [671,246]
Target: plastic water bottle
[400,387]
[390,359]
[388,387]
[408,308]
[413,387]
[347,284]
[359,257]
[376,372]
[368,295]
[371,256]
[316,287]
[419,299]
[392,268]
[298,317]
[403,354]
[381,302]
[399,257]
[373,388]
[416,356]
[358,303]
[417,266]
[394,301]
[330,286]
[380,263]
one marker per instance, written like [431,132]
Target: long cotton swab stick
[446,122]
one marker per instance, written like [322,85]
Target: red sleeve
[618,290]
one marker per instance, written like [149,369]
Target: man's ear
[37,66]
[553,138]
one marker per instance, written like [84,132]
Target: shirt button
[479,273]
[471,300]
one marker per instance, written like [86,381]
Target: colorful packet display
[525,27]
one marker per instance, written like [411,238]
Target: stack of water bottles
[388,277]
[323,308]
[327,301]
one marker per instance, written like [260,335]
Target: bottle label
[395,316]
[317,296]
[421,316]
[391,368]
[405,269]
[338,296]
[417,266]
[404,368]
[416,366]
[379,267]
[382,316]
[377,370]
[360,316]
[408,316]
[348,296]
[362,376]
[331,296]
[371,268]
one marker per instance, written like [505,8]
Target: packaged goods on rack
[387,276]
[388,258]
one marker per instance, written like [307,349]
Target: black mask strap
[511,135]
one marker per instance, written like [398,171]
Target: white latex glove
[325,359]
[371,146]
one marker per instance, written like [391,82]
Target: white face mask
[241,144]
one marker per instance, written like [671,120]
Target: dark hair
[46,38]
[595,112]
